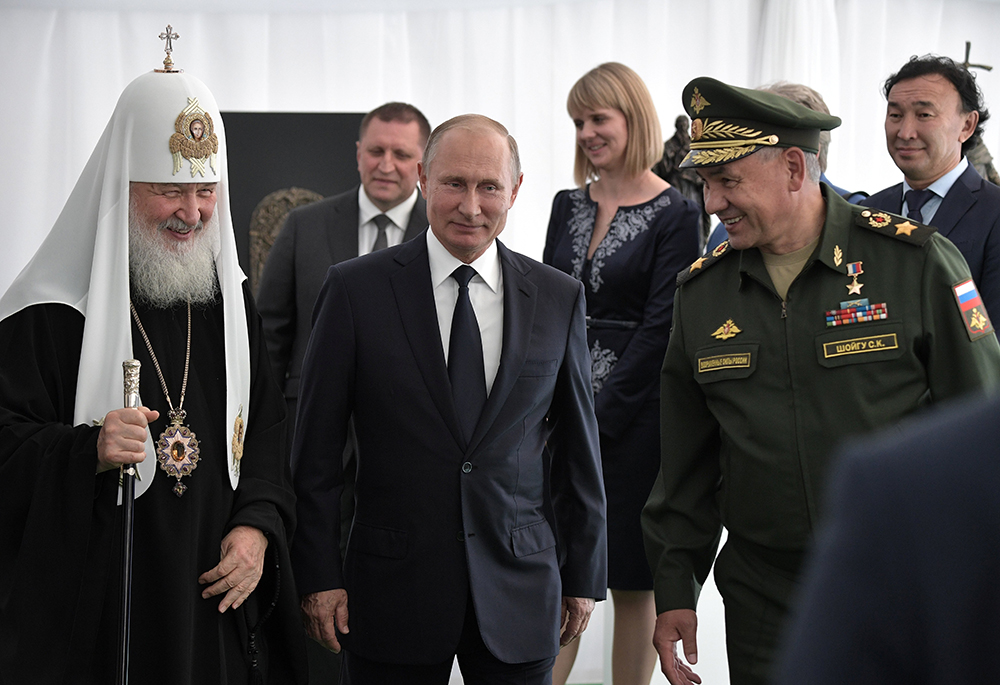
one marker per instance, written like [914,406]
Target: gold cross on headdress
[967,64]
[170,37]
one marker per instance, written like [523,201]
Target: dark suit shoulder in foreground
[903,587]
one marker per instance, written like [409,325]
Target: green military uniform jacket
[756,393]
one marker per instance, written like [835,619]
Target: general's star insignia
[905,228]
[727,330]
[698,263]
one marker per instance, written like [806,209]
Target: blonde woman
[625,233]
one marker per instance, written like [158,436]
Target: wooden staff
[127,479]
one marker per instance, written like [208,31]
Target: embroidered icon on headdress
[195,139]
[238,441]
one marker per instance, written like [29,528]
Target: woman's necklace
[177,449]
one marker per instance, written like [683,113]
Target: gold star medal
[727,330]
[854,270]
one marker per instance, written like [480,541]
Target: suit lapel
[411,285]
[895,203]
[342,227]
[519,300]
[957,201]
[418,220]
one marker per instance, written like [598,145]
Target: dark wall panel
[269,151]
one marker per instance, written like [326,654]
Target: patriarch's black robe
[59,537]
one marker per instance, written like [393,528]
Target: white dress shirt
[939,188]
[485,292]
[368,231]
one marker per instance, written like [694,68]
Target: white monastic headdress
[84,261]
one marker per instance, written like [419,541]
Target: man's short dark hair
[398,111]
[960,77]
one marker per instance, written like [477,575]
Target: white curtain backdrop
[66,61]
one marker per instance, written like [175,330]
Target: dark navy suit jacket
[904,585]
[969,216]
[438,521]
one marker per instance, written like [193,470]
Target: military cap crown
[728,123]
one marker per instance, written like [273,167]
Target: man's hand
[123,437]
[576,613]
[671,627]
[323,614]
[240,568]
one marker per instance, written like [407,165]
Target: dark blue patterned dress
[629,284]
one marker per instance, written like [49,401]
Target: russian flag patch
[977,322]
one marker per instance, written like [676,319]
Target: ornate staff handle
[131,369]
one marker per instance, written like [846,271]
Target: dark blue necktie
[915,199]
[465,356]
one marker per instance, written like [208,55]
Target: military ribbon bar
[865,312]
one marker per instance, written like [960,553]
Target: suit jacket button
[467,467]
[460,536]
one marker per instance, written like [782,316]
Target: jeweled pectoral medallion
[177,448]
[177,451]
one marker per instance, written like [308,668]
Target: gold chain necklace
[177,449]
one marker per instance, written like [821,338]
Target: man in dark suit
[903,586]
[935,115]
[385,209]
[390,144]
[469,537]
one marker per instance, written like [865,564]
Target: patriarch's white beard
[164,272]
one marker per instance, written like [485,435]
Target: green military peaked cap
[728,123]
